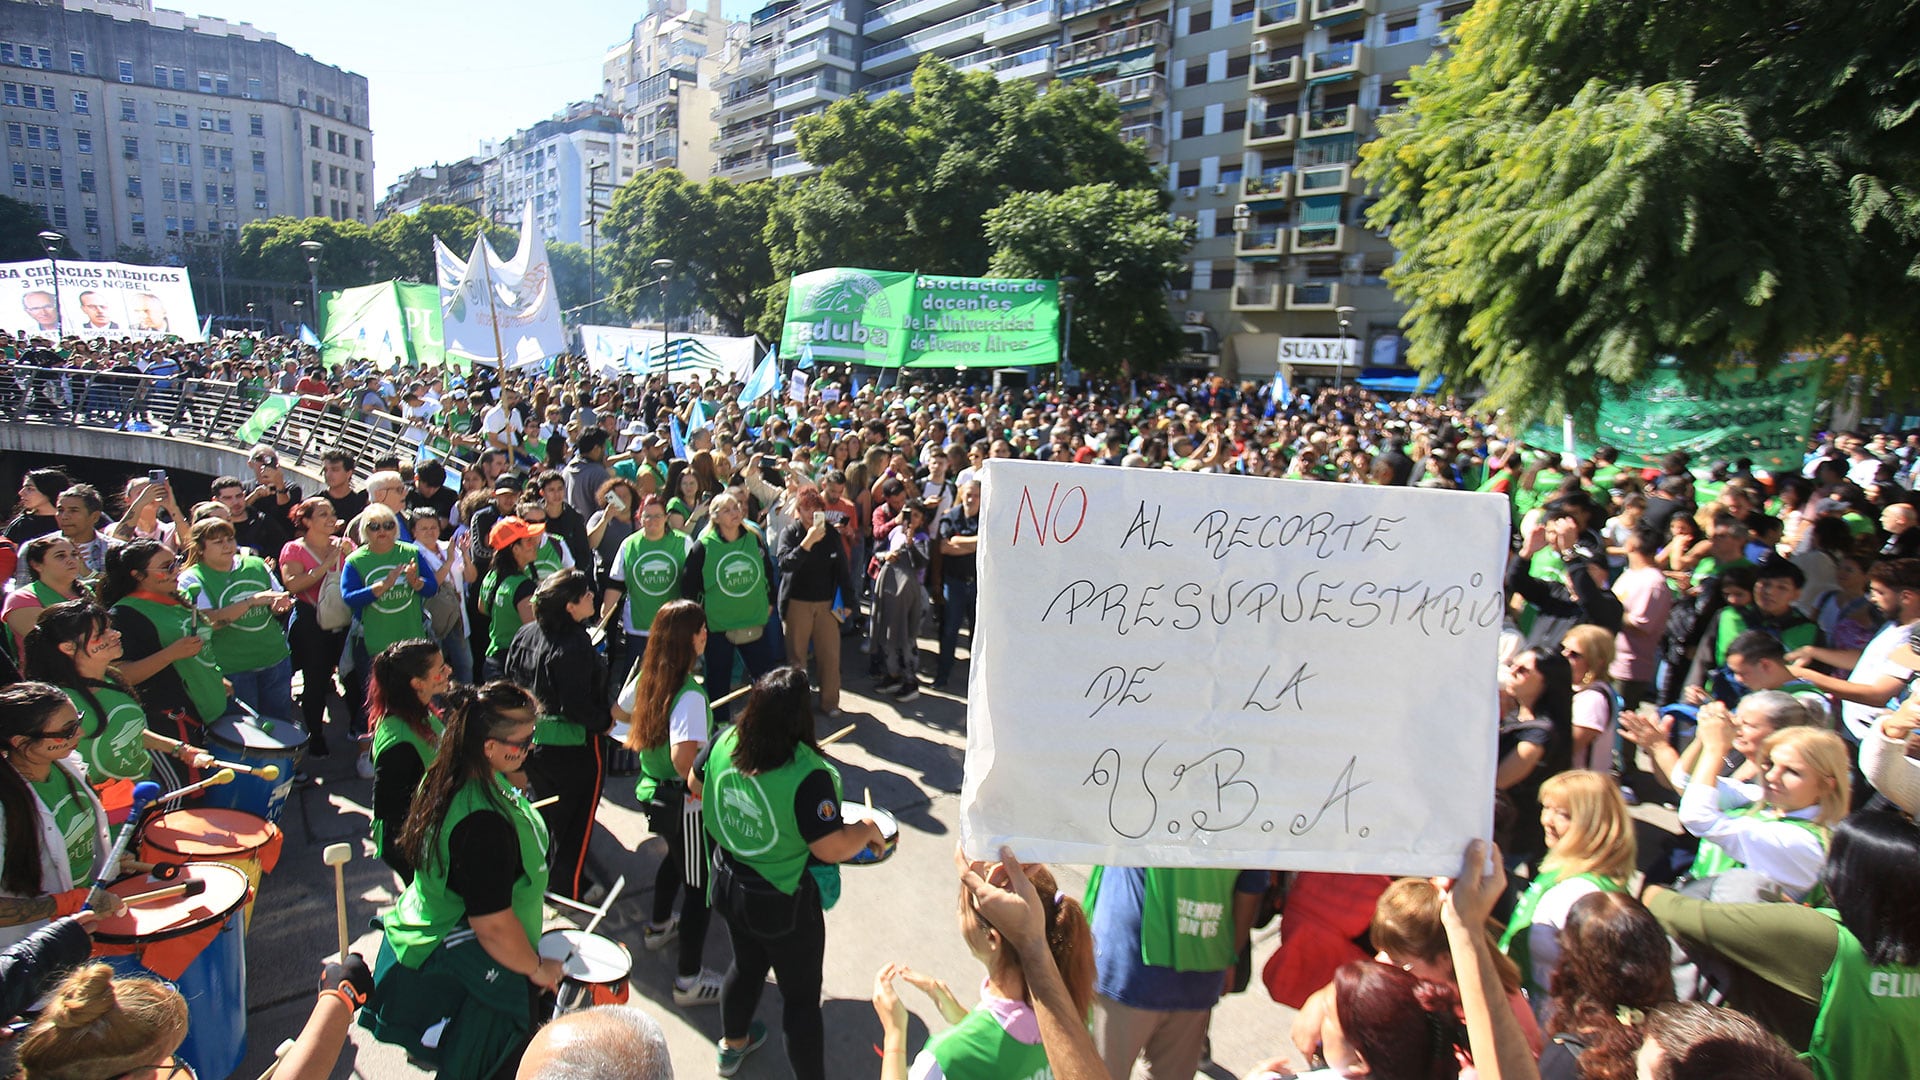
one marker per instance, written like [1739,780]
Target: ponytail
[1069,938]
[122,563]
[474,715]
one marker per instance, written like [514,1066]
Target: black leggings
[316,653]
[574,774]
[669,824]
[796,959]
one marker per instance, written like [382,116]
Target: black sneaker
[888,686]
[907,691]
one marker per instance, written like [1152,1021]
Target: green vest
[1186,917]
[503,615]
[397,616]
[199,673]
[1515,942]
[651,571]
[113,746]
[751,817]
[388,732]
[1731,623]
[735,577]
[1707,492]
[546,559]
[428,911]
[73,816]
[656,762]
[1869,1020]
[1607,477]
[978,1048]
[1713,859]
[254,640]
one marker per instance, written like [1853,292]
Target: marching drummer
[458,959]
[181,686]
[74,647]
[671,723]
[407,677]
[772,806]
[43,876]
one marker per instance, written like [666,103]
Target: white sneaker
[704,989]
[656,939]
[364,766]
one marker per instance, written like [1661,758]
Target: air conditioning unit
[1440,41]
[1195,318]
[1187,192]
[1179,294]
[259,204]
[1260,46]
[93,228]
[1219,189]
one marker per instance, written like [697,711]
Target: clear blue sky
[442,76]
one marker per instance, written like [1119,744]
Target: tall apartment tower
[1271,102]
[662,78]
[557,166]
[138,127]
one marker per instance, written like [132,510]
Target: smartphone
[157,476]
[614,500]
[769,463]
[819,518]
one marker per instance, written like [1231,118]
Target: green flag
[1737,415]
[271,412]
[890,318]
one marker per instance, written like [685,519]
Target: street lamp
[51,241]
[1346,315]
[313,248]
[250,324]
[297,320]
[663,267]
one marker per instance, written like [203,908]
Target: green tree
[270,251]
[1579,189]
[406,240]
[570,284]
[20,227]
[711,232]
[1120,245]
[906,181]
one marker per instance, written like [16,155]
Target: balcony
[905,51]
[753,168]
[811,90]
[911,14]
[1270,186]
[1324,180]
[1260,240]
[1273,75]
[1340,121]
[1345,59]
[813,53]
[1138,89]
[1313,296]
[1150,137]
[1277,15]
[1320,240]
[741,106]
[1073,9]
[791,165]
[832,16]
[903,83]
[1329,9]
[1032,63]
[1254,296]
[758,61]
[1269,130]
[1023,21]
[732,142]
[1087,51]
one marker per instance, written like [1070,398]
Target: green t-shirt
[200,674]
[735,578]
[547,560]
[497,593]
[396,616]
[1515,942]
[113,747]
[978,1048]
[1869,1020]
[650,569]
[254,640]
[73,816]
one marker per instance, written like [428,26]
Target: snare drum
[257,742]
[595,968]
[889,828]
[196,943]
[204,834]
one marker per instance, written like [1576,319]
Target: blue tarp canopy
[1395,381]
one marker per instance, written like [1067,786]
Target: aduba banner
[1740,414]
[892,318]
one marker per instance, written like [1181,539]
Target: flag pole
[493,313]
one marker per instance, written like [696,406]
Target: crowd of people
[568,577]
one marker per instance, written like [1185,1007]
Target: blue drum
[196,943]
[255,741]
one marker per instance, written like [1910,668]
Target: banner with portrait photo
[98,299]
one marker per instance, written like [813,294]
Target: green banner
[891,318]
[271,412]
[1739,415]
[387,323]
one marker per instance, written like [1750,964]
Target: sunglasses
[380,526]
[267,462]
[522,745]
[70,731]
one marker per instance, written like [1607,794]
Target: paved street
[903,910]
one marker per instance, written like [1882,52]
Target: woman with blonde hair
[238,596]
[1779,827]
[1589,652]
[1590,848]
[97,1027]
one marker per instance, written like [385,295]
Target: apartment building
[1271,102]
[557,165]
[458,184]
[662,78]
[136,127]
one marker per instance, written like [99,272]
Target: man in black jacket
[1581,596]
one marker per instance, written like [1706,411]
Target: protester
[729,572]
[606,1042]
[1778,828]
[647,571]
[1536,740]
[239,598]
[1615,967]
[98,1026]
[446,609]
[43,791]
[53,576]
[1590,848]
[306,563]
[384,584]
[816,589]
[34,514]
[506,592]
[408,678]
[163,655]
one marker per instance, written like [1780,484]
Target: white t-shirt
[686,723]
[1593,710]
[1549,917]
[1874,665]
[502,421]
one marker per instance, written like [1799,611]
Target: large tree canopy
[711,232]
[1579,189]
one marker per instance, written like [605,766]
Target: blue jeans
[458,654]
[759,657]
[960,597]
[268,690]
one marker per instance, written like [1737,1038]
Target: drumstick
[548,801]
[607,904]
[737,693]
[279,1054]
[838,735]
[264,772]
[224,776]
[144,794]
[337,856]
[186,888]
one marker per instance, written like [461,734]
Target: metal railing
[208,411]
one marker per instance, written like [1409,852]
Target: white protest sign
[98,299]
[1184,669]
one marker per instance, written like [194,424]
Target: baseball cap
[511,530]
[508,481]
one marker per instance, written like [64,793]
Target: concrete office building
[136,127]
[1271,101]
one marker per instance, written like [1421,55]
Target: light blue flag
[1280,397]
[678,437]
[806,356]
[307,336]
[206,328]
[699,417]
[763,380]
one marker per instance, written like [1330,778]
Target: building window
[80,103]
[221,85]
[169,191]
[360,183]
[223,122]
[14,134]
[1233,121]
[160,76]
[1401,31]
[10,93]
[316,174]
[1196,73]
[39,176]
[260,161]
[90,217]
[359,150]
[180,118]
[56,176]
[1189,177]
[33,136]
[313,136]
[259,198]
[59,216]
[126,71]
[86,182]
[133,187]
[257,126]
[127,114]
[173,225]
[19,174]
[189,225]
[1221,277]
[226,194]
[130,147]
[206,82]
[182,154]
[213,194]
[1192,127]
[53,138]
[137,225]
[83,141]
[319,206]
[1237,65]
[303,104]
[179,78]
[253,89]
[1199,19]
[1242,10]
[77,63]
[208,157]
